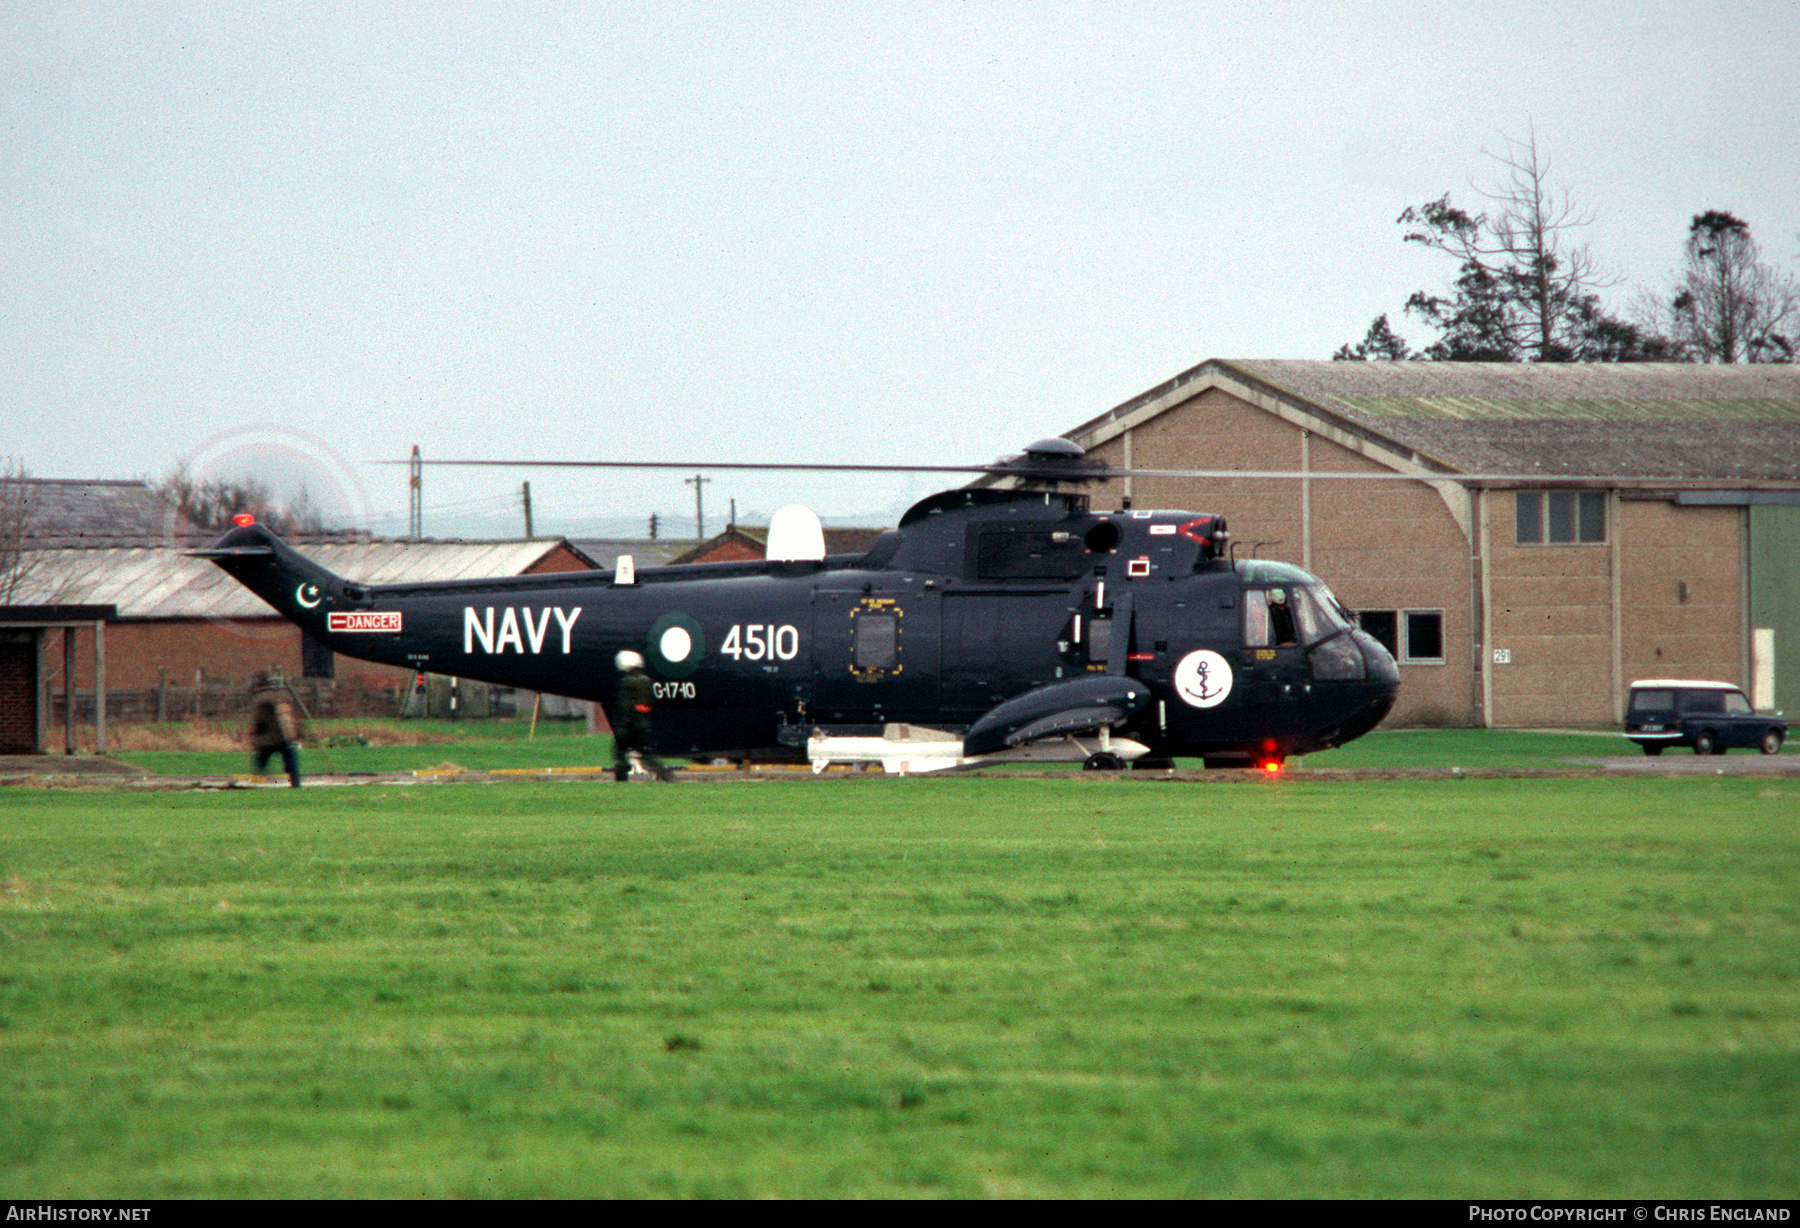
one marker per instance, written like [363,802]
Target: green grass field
[1059,987]
[502,745]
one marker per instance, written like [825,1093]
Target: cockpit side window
[1256,620]
[1268,619]
[1284,617]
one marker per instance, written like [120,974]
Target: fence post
[99,687]
[68,690]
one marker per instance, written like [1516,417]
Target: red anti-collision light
[243,519]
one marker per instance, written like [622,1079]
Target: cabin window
[1557,517]
[1099,640]
[877,645]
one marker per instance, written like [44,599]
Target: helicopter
[994,624]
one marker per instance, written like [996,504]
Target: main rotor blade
[1098,473]
[770,465]
[1047,471]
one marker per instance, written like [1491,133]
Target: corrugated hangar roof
[150,582]
[1682,421]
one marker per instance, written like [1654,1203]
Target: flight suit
[633,732]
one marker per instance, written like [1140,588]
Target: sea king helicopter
[995,624]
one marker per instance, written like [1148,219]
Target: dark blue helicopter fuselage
[1022,604]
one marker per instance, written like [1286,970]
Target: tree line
[215,503]
[1524,291]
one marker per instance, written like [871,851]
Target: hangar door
[1775,596]
[18,693]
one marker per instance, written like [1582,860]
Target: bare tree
[1524,291]
[15,528]
[302,515]
[1728,305]
[214,503]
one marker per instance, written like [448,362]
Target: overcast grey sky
[931,232]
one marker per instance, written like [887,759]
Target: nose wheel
[1103,761]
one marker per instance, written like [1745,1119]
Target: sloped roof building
[119,545]
[1527,537]
[157,582]
[737,543]
[61,513]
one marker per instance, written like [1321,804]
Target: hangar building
[1527,538]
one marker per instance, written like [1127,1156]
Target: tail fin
[298,588]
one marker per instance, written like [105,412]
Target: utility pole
[528,511]
[416,486]
[698,482]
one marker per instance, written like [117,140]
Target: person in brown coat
[274,728]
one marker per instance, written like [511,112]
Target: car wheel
[1771,742]
[1653,750]
[1706,743]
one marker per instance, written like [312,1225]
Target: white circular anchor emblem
[1203,678]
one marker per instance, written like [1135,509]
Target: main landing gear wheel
[1103,761]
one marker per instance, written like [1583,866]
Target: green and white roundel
[675,647]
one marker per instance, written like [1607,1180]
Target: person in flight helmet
[631,729]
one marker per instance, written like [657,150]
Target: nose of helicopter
[1380,662]
[1378,692]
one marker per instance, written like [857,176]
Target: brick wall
[559,559]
